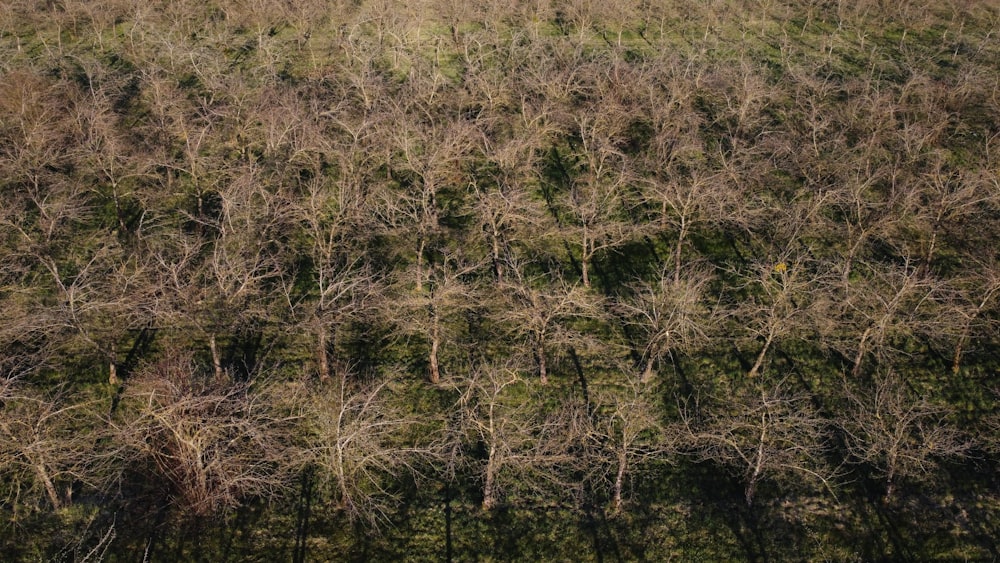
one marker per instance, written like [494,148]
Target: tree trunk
[963,338]
[497,267]
[758,468]
[849,262]
[677,251]
[956,362]
[929,255]
[760,357]
[321,356]
[50,488]
[113,367]
[619,482]
[435,368]
[432,360]
[543,373]
[861,352]
[750,491]
[650,371]
[488,483]
[890,483]
[420,265]
[216,359]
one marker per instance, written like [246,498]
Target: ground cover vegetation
[528,280]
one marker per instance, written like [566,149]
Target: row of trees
[205,445]
[610,242]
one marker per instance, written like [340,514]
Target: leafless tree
[105,298]
[429,170]
[214,444]
[671,314]
[680,205]
[341,285]
[596,203]
[899,433]
[521,446]
[222,280]
[94,290]
[118,167]
[626,434]
[949,199]
[538,312]
[758,431]
[508,218]
[433,310]
[891,304]
[970,297]
[360,442]
[46,445]
[782,301]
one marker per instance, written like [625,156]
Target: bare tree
[892,304]
[626,434]
[758,431]
[360,443]
[213,443]
[670,313]
[680,205]
[949,198]
[521,446]
[866,212]
[510,217]
[222,278]
[538,313]
[596,203]
[120,167]
[782,301]
[105,299]
[46,445]
[433,311]
[95,289]
[429,177]
[897,432]
[970,298]
[340,285]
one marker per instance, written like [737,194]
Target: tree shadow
[723,496]
[242,354]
